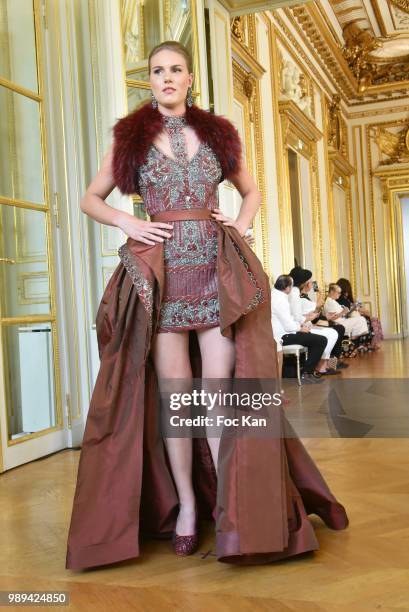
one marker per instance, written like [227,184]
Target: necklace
[174,126]
[173,122]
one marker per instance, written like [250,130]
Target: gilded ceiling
[376,40]
[364,44]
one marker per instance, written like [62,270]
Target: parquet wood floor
[364,568]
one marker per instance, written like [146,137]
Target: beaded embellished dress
[190,298]
[265,487]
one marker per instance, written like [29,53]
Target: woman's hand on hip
[219,216]
[249,238]
[149,232]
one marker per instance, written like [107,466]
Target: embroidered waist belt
[183,214]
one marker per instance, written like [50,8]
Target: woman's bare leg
[218,359]
[170,354]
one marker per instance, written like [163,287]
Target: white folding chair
[297,350]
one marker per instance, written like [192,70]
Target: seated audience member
[355,326]
[289,331]
[347,299]
[306,311]
[336,357]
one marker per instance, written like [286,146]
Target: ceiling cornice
[287,39]
[247,59]
[244,7]
[379,17]
[315,34]
[403,5]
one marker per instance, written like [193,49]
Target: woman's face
[169,78]
[335,293]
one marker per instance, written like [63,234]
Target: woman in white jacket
[355,326]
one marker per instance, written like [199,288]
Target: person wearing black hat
[305,311]
[300,276]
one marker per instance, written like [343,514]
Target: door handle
[7,260]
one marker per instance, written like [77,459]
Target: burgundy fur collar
[134,134]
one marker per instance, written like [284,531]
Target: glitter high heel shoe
[186,544]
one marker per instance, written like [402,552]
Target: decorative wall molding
[336,175]
[376,112]
[246,82]
[243,7]
[246,59]
[395,145]
[393,181]
[295,86]
[286,38]
[33,288]
[311,27]
[300,133]
[294,120]
[337,129]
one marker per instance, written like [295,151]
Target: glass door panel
[24,262]
[21,171]
[18,57]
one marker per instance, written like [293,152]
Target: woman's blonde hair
[332,287]
[172,45]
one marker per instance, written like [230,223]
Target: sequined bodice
[173,183]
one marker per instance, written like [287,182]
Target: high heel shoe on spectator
[186,544]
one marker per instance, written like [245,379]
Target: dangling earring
[189,98]
[154,101]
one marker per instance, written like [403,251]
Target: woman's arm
[309,309]
[93,204]
[246,186]
[333,310]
